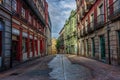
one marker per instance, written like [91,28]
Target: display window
[24,45]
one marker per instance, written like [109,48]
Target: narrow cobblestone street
[32,70]
[62,67]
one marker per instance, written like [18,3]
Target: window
[14,5]
[24,45]
[33,22]
[29,18]
[101,9]
[23,12]
[30,47]
[1,1]
[92,21]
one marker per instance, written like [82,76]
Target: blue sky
[59,11]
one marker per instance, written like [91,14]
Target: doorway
[93,47]
[102,47]
[15,56]
[119,47]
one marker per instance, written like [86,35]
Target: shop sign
[15,31]
[24,34]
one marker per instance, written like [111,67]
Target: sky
[59,11]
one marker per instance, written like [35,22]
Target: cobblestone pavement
[63,69]
[33,70]
[100,71]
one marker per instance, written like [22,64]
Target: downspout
[108,36]
[11,37]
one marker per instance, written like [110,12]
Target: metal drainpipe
[108,36]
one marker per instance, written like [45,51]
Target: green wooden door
[93,47]
[102,46]
[119,47]
[87,48]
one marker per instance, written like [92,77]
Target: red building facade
[28,29]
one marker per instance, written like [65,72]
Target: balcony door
[93,47]
[92,21]
[101,13]
[119,47]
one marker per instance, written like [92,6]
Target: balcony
[114,11]
[35,10]
[100,21]
[83,32]
[91,27]
[5,5]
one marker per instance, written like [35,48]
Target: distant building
[68,35]
[61,41]
[54,49]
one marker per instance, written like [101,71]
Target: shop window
[30,47]
[24,45]
[14,5]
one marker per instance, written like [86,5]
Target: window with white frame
[33,22]
[23,12]
[30,18]
[86,23]
[101,9]
[24,45]
[92,20]
[14,5]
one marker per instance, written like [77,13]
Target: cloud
[59,11]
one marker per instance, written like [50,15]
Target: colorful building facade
[61,41]
[54,49]
[70,34]
[98,29]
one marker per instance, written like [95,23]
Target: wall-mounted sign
[15,31]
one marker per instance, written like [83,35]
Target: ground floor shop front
[102,45]
[26,45]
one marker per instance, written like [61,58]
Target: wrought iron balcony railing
[114,10]
[100,21]
[89,4]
